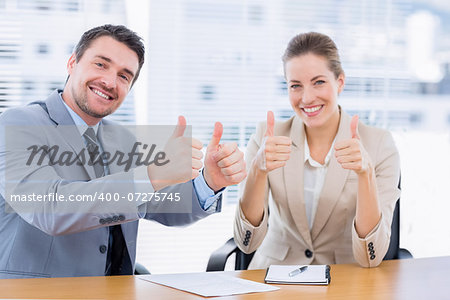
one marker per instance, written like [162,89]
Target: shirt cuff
[206,196]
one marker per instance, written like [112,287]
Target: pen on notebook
[298,271]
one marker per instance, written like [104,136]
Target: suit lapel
[334,182]
[109,143]
[293,179]
[66,127]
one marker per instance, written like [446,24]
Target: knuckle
[226,151]
[231,178]
[225,172]
[233,145]
[225,162]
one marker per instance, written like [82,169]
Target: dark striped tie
[93,149]
[117,261]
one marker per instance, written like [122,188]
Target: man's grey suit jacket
[53,240]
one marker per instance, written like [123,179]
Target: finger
[339,145]
[349,158]
[217,135]
[194,174]
[352,165]
[282,149]
[233,169]
[226,150]
[179,129]
[232,158]
[196,144]
[277,156]
[348,146]
[354,127]
[270,123]
[344,152]
[272,143]
[272,165]
[196,164]
[197,154]
[281,140]
[236,178]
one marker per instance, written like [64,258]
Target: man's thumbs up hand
[214,143]
[224,163]
[180,128]
[184,158]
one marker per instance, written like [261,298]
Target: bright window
[220,61]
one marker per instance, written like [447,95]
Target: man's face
[99,82]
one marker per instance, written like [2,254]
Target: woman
[332,180]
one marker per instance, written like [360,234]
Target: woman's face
[313,90]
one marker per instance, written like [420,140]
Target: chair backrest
[394,244]
[243,260]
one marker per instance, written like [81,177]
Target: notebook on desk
[297,274]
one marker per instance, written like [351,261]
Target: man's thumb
[270,123]
[354,127]
[181,126]
[217,135]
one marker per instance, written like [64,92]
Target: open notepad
[314,274]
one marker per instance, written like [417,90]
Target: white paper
[209,284]
[315,274]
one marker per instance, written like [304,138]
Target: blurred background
[221,61]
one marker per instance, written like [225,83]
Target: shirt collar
[79,122]
[314,163]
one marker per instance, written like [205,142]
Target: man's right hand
[181,168]
[274,150]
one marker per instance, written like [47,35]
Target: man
[44,237]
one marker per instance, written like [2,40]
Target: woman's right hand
[274,150]
[272,154]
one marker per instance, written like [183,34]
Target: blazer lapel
[106,137]
[66,127]
[293,179]
[334,181]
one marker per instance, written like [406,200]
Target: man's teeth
[101,94]
[312,109]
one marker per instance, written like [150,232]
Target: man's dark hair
[118,32]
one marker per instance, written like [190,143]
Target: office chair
[139,269]
[218,258]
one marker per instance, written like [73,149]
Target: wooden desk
[425,278]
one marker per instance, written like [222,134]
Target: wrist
[367,174]
[210,183]
[257,169]
[255,176]
[157,184]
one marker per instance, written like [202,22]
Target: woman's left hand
[351,153]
